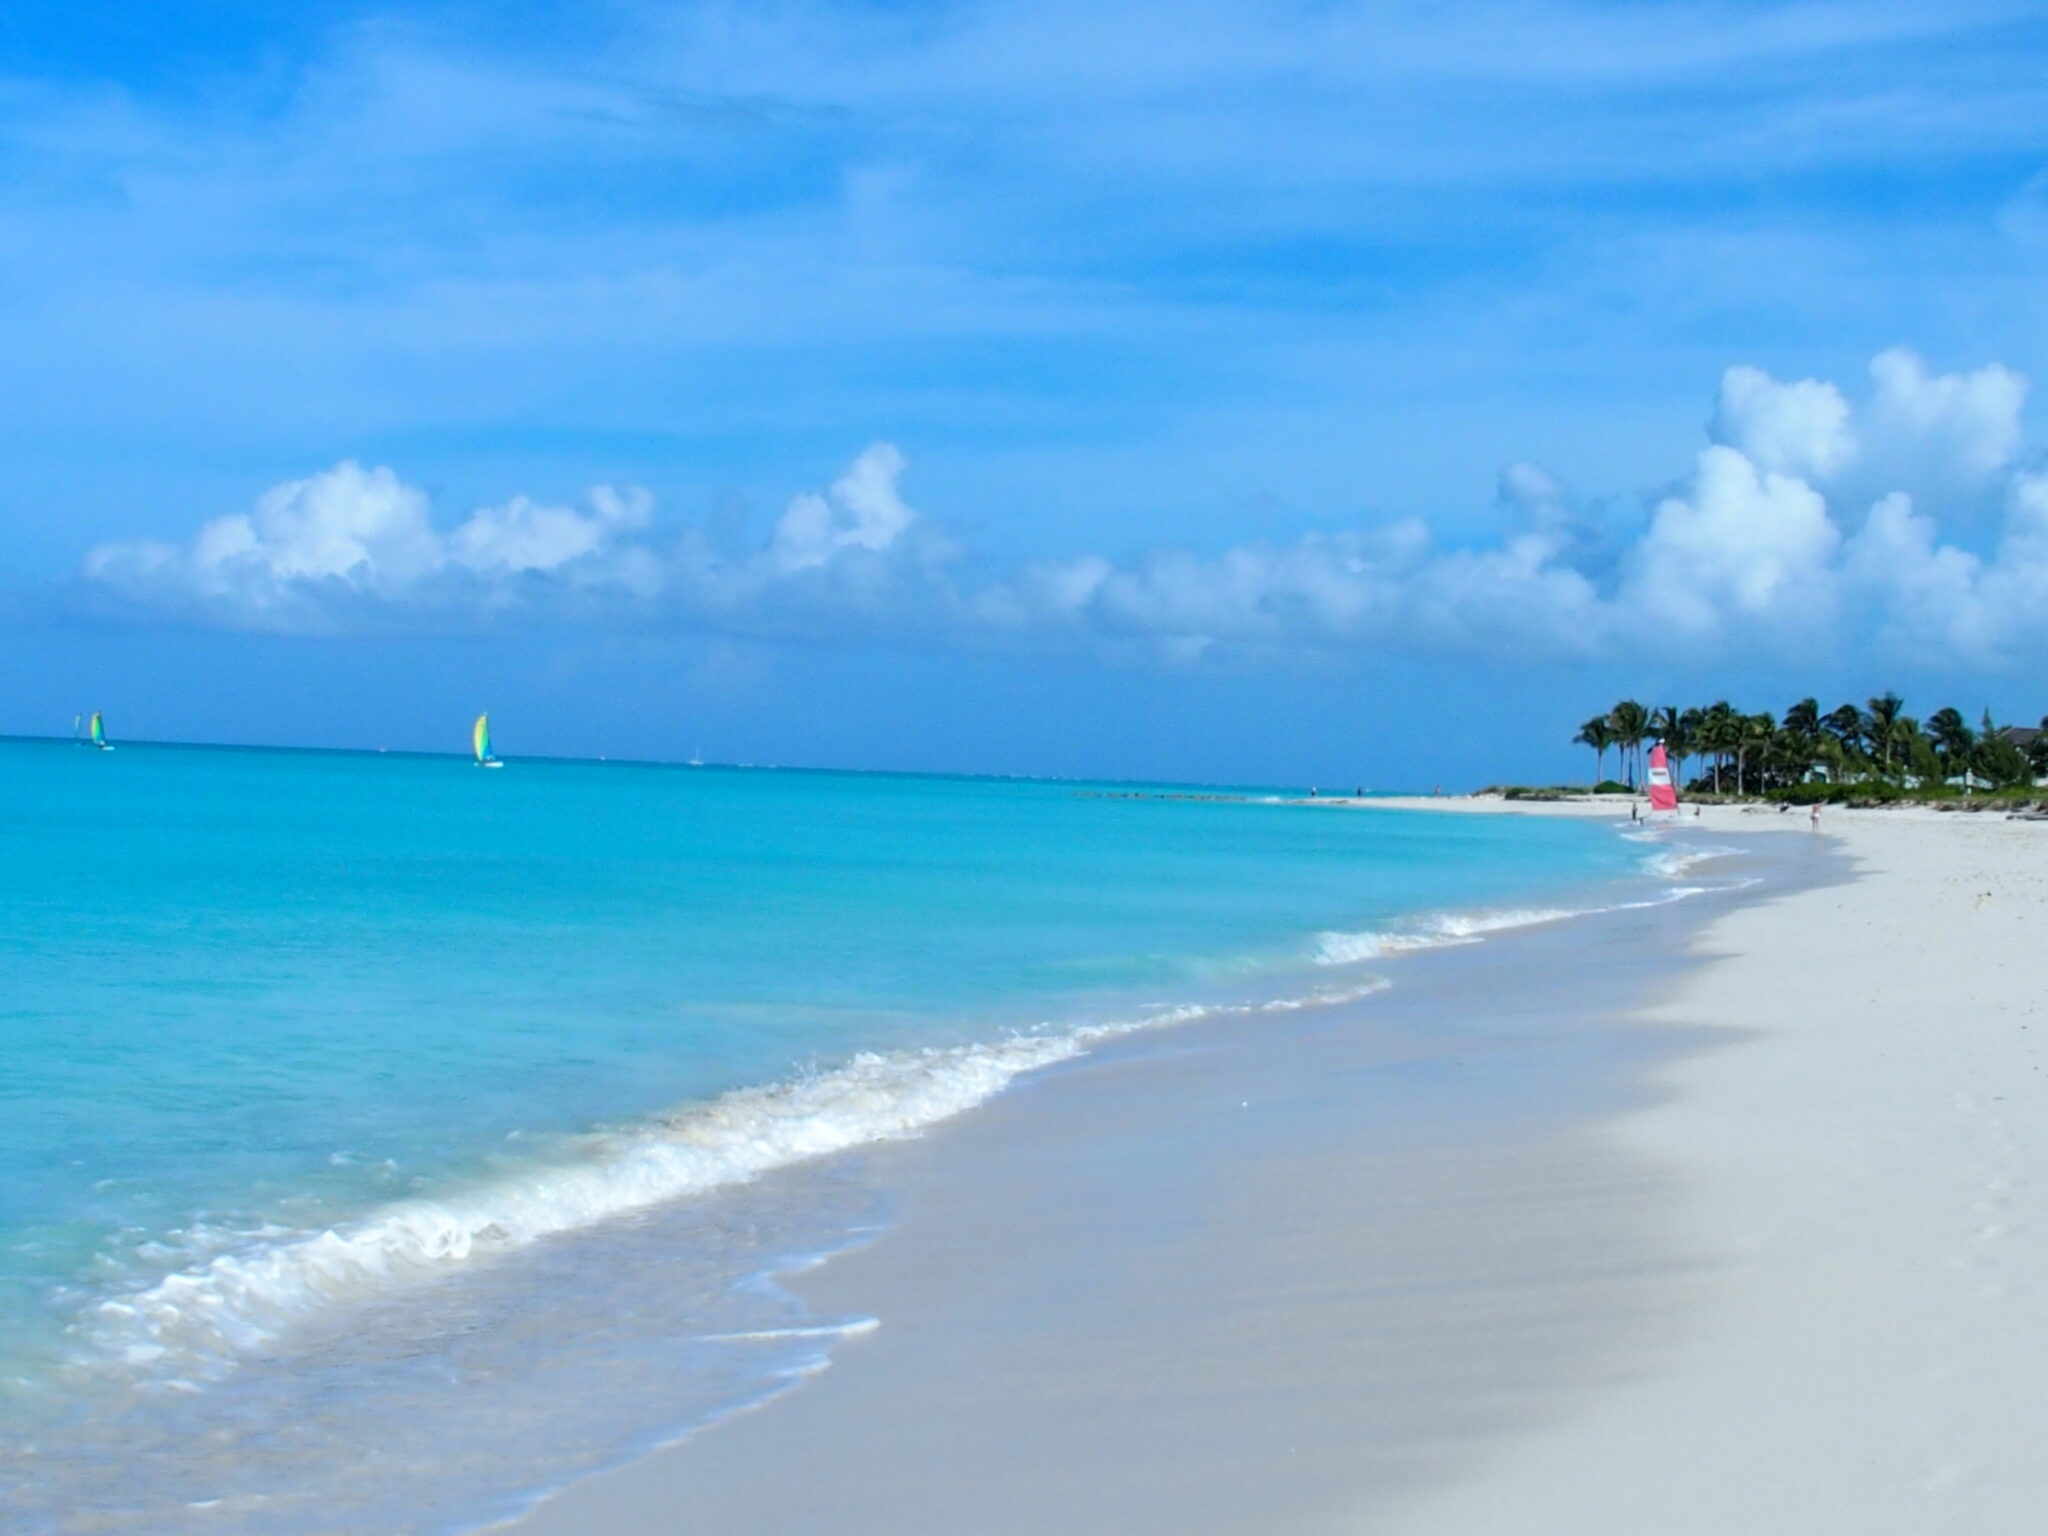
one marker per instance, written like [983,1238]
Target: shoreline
[1861,1193]
[547,1349]
[1109,1306]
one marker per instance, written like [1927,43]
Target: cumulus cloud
[1743,543]
[862,511]
[352,547]
[1809,516]
[1799,429]
[1944,433]
[312,549]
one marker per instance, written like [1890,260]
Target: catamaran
[1663,795]
[480,741]
[96,733]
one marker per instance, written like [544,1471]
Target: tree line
[1742,753]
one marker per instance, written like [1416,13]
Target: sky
[1312,393]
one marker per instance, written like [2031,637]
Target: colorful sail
[98,730]
[480,739]
[1663,796]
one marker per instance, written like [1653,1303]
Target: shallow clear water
[316,1061]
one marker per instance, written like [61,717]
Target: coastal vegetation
[1876,751]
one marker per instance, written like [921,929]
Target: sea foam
[1448,928]
[1338,948]
[196,1322]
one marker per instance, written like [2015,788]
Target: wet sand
[1305,1273]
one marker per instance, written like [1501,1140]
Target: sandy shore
[1775,1271]
[1861,1178]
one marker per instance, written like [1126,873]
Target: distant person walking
[1814,816]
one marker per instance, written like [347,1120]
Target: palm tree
[1664,724]
[1845,725]
[1803,718]
[1752,734]
[1953,740]
[1690,724]
[1598,734]
[1829,752]
[1719,734]
[1881,726]
[1631,722]
[1916,750]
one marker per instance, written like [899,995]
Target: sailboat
[96,733]
[480,740]
[1663,795]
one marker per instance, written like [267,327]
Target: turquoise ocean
[346,1094]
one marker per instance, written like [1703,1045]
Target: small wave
[834,1331]
[1449,928]
[1437,932]
[1673,862]
[195,1322]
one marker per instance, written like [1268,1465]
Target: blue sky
[1308,392]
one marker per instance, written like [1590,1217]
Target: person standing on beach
[1815,818]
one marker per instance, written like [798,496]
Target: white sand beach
[1860,1176]
[1793,1285]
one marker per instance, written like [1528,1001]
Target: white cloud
[524,536]
[1787,429]
[862,511]
[1769,540]
[1743,544]
[1963,427]
[352,545]
[355,535]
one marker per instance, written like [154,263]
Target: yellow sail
[480,738]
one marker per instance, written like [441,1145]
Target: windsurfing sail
[97,731]
[1663,797]
[480,739]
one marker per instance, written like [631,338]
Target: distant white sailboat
[696,757]
[480,741]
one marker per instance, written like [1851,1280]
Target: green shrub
[1809,794]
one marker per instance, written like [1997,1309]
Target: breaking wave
[1674,862]
[197,1321]
[1437,932]
[1449,928]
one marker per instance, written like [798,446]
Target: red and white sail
[1663,797]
